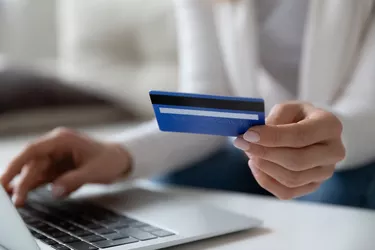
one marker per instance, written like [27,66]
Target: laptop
[137,218]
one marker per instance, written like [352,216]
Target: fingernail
[241,144]
[58,191]
[251,136]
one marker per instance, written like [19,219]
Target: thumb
[70,182]
[285,113]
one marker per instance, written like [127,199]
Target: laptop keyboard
[84,226]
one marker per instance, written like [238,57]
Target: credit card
[206,114]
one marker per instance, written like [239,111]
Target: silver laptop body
[142,219]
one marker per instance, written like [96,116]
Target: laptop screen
[12,225]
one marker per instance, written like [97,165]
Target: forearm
[154,152]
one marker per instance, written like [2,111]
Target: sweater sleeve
[201,71]
[356,109]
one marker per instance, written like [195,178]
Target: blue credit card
[206,114]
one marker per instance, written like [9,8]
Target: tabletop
[288,225]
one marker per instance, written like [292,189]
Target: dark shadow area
[23,89]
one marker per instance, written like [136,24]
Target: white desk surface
[287,225]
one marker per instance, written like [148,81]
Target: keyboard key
[104,231]
[64,224]
[53,220]
[99,213]
[73,229]
[96,215]
[93,238]
[68,239]
[60,247]
[33,196]
[22,211]
[82,233]
[117,225]
[52,209]
[38,224]
[149,229]
[109,243]
[24,215]
[44,216]
[127,220]
[138,234]
[113,218]
[137,224]
[121,227]
[48,229]
[44,228]
[70,207]
[82,221]
[93,226]
[82,246]
[38,235]
[38,207]
[162,233]
[30,220]
[49,242]
[48,209]
[106,221]
[58,234]
[116,236]
[69,217]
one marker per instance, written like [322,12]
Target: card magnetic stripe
[205,101]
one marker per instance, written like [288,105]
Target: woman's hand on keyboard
[67,159]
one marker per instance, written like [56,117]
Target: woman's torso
[281,30]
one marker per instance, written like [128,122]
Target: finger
[18,201]
[280,191]
[285,113]
[32,177]
[9,189]
[292,179]
[41,148]
[320,127]
[72,181]
[299,159]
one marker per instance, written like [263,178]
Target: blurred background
[83,63]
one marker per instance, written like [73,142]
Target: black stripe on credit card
[199,102]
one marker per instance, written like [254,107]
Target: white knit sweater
[206,68]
